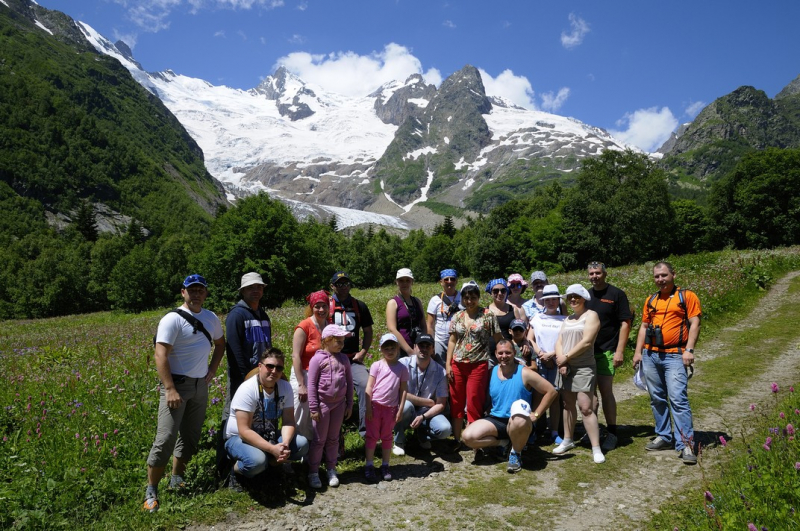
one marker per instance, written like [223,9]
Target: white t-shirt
[247,399]
[439,310]
[189,355]
[546,329]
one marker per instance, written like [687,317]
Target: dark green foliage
[758,203]
[137,281]
[85,222]
[692,227]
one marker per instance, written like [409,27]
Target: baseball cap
[404,272]
[339,275]
[577,289]
[248,279]
[517,323]
[550,291]
[334,330]
[388,337]
[424,338]
[194,279]
[538,275]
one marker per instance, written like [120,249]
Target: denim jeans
[667,383]
[253,461]
[439,425]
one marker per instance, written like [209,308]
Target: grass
[78,404]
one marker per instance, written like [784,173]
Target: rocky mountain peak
[290,93]
[789,90]
[395,103]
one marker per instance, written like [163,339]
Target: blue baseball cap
[445,273]
[194,279]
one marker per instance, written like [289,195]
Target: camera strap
[651,312]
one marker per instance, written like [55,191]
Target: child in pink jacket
[330,400]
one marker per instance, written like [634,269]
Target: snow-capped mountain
[405,143]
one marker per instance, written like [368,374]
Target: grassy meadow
[79,398]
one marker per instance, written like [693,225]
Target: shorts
[580,380]
[501,425]
[605,363]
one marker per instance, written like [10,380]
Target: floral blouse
[473,342]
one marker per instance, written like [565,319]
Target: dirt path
[417,498]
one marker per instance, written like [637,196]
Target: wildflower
[768,441]
[752,407]
[781,415]
[77,435]
[797,411]
[790,429]
[722,441]
[751,527]
[774,387]
[709,496]
[797,466]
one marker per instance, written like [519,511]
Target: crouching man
[261,427]
[511,387]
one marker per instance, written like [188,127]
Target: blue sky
[635,68]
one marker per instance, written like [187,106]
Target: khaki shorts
[605,363]
[580,380]
[179,429]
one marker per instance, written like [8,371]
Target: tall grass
[79,396]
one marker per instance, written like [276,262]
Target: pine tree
[85,221]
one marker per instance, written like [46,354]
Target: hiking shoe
[287,468]
[564,447]
[369,473]
[609,443]
[425,444]
[313,481]
[688,457]
[177,483]
[514,464]
[556,439]
[658,444]
[385,474]
[233,482]
[150,504]
[398,449]
[333,479]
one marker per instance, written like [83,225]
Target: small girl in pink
[386,396]
[330,401]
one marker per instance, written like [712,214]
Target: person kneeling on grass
[261,427]
[511,387]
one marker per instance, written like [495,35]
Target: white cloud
[297,39]
[553,102]
[357,75]
[646,129]
[694,109]
[153,15]
[219,33]
[579,28]
[516,89]
[449,24]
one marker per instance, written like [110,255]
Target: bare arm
[637,353]
[244,422]
[365,344]
[694,333]
[298,345]
[391,324]
[534,382]
[403,393]
[451,347]
[619,354]
[165,375]
[216,358]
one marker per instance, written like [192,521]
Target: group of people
[503,367]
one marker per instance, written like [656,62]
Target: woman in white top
[575,360]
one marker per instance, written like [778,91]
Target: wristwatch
[536,414]
[690,350]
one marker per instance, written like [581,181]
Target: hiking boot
[658,444]
[333,479]
[177,482]
[424,443]
[514,464]
[564,447]
[398,449]
[233,482]
[609,443]
[287,468]
[369,473]
[688,457]
[313,481]
[385,474]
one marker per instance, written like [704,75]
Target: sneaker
[313,481]
[177,483]
[150,504]
[369,473]
[385,474]
[598,457]
[557,439]
[503,446]
[287,468]
[425,444]
[456,446]
[514,464]
[233,482]
[398,449]
[658,444]
[688,457]
[564,447]
[333,479]
[609,443]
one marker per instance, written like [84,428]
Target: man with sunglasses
[614,310]
[354,316]
[441,309]
[261,428]
[184,338]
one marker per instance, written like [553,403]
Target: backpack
[192,320]
[681,304]
[333,306]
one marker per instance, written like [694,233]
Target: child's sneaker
[333,479]
[369,473]
[313,481]
[385,474]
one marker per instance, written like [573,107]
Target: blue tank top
[506,392]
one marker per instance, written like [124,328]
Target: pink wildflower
[709,496]
[781,415]
[752,407]
[790,429]
[722,441]
[774,387]
[797,466]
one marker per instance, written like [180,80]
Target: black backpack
[192,320]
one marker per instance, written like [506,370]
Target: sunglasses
[499,291]
[572,297]
[449,279]
[272,367]
[344,284]
[515,285]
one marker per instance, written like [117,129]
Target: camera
[654,336]
[415,333]
[452,309]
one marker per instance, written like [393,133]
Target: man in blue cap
[441,309]
[353,315]
[184,338]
